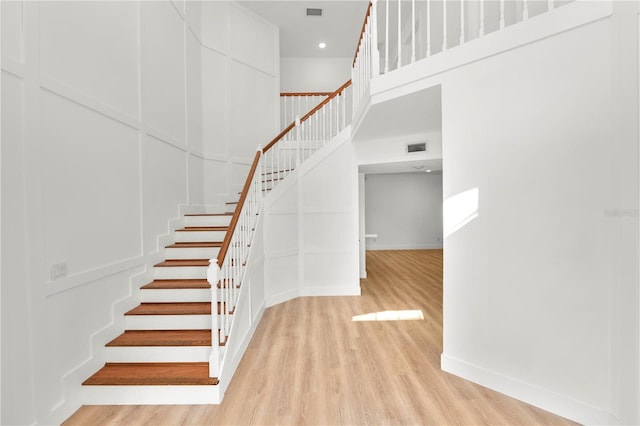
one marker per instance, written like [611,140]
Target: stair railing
[297,104]
[270,165]
[305,135]
[412,30]
[226,272]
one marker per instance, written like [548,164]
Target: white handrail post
[501,14]
[213,276]
[297,140]
[399,34]
[525,10]
[413,31]
[461,21]
[375,53]
[444,25]
[386,38]
[481,18]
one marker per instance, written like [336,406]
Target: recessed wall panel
[194,92]
[164,186]
[93,47]
[253,41]
[12,30]
[215,112]
[253,109]
[215,28]
[90,184]
[163,77]
[215,181]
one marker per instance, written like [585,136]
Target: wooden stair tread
[196,244]
[186,308]
[202,228]
[183,263]
[163,338]
[154,374]
[177,284]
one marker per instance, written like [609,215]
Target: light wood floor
[309,363]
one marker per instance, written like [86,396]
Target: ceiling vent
[314,12]
[417,147]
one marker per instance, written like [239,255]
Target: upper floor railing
[397,33]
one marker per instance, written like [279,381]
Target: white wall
[104,137]
[404,210]
[240,72]
[538,272]
[314,74]
[311,227]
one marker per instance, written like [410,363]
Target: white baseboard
[282,297]
[404,246]
[331,291]
[542,398]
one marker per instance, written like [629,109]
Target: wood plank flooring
[310,364]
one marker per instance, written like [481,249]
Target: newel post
[213,277]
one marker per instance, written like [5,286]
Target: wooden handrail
[305,94]
[326,101]
[306,116]
[364,25]
[236,214]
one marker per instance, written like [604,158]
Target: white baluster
[375,59]
[444,25]
[481,18]
[501,14]
[413,31]
[297,141]
[462,23]
[428,28]
[399,34]
[386,38]
[525,10]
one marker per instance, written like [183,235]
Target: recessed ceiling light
[428,171]
[322,45]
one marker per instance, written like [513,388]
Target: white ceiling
[339,26]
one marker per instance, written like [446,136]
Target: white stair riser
[167,322]
[179,272]
[175,295]
[150,395]
[207,220]
[199,236]
[158,353]
[191,252]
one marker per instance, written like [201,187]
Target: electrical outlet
[58,270]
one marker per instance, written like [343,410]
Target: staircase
[168,353]
[163,355]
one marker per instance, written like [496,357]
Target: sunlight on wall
[390,316]
[459,210]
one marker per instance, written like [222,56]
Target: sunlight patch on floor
[405,315]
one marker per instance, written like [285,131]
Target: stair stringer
[74,394]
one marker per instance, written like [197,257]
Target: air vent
[314,12]
[417,147]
